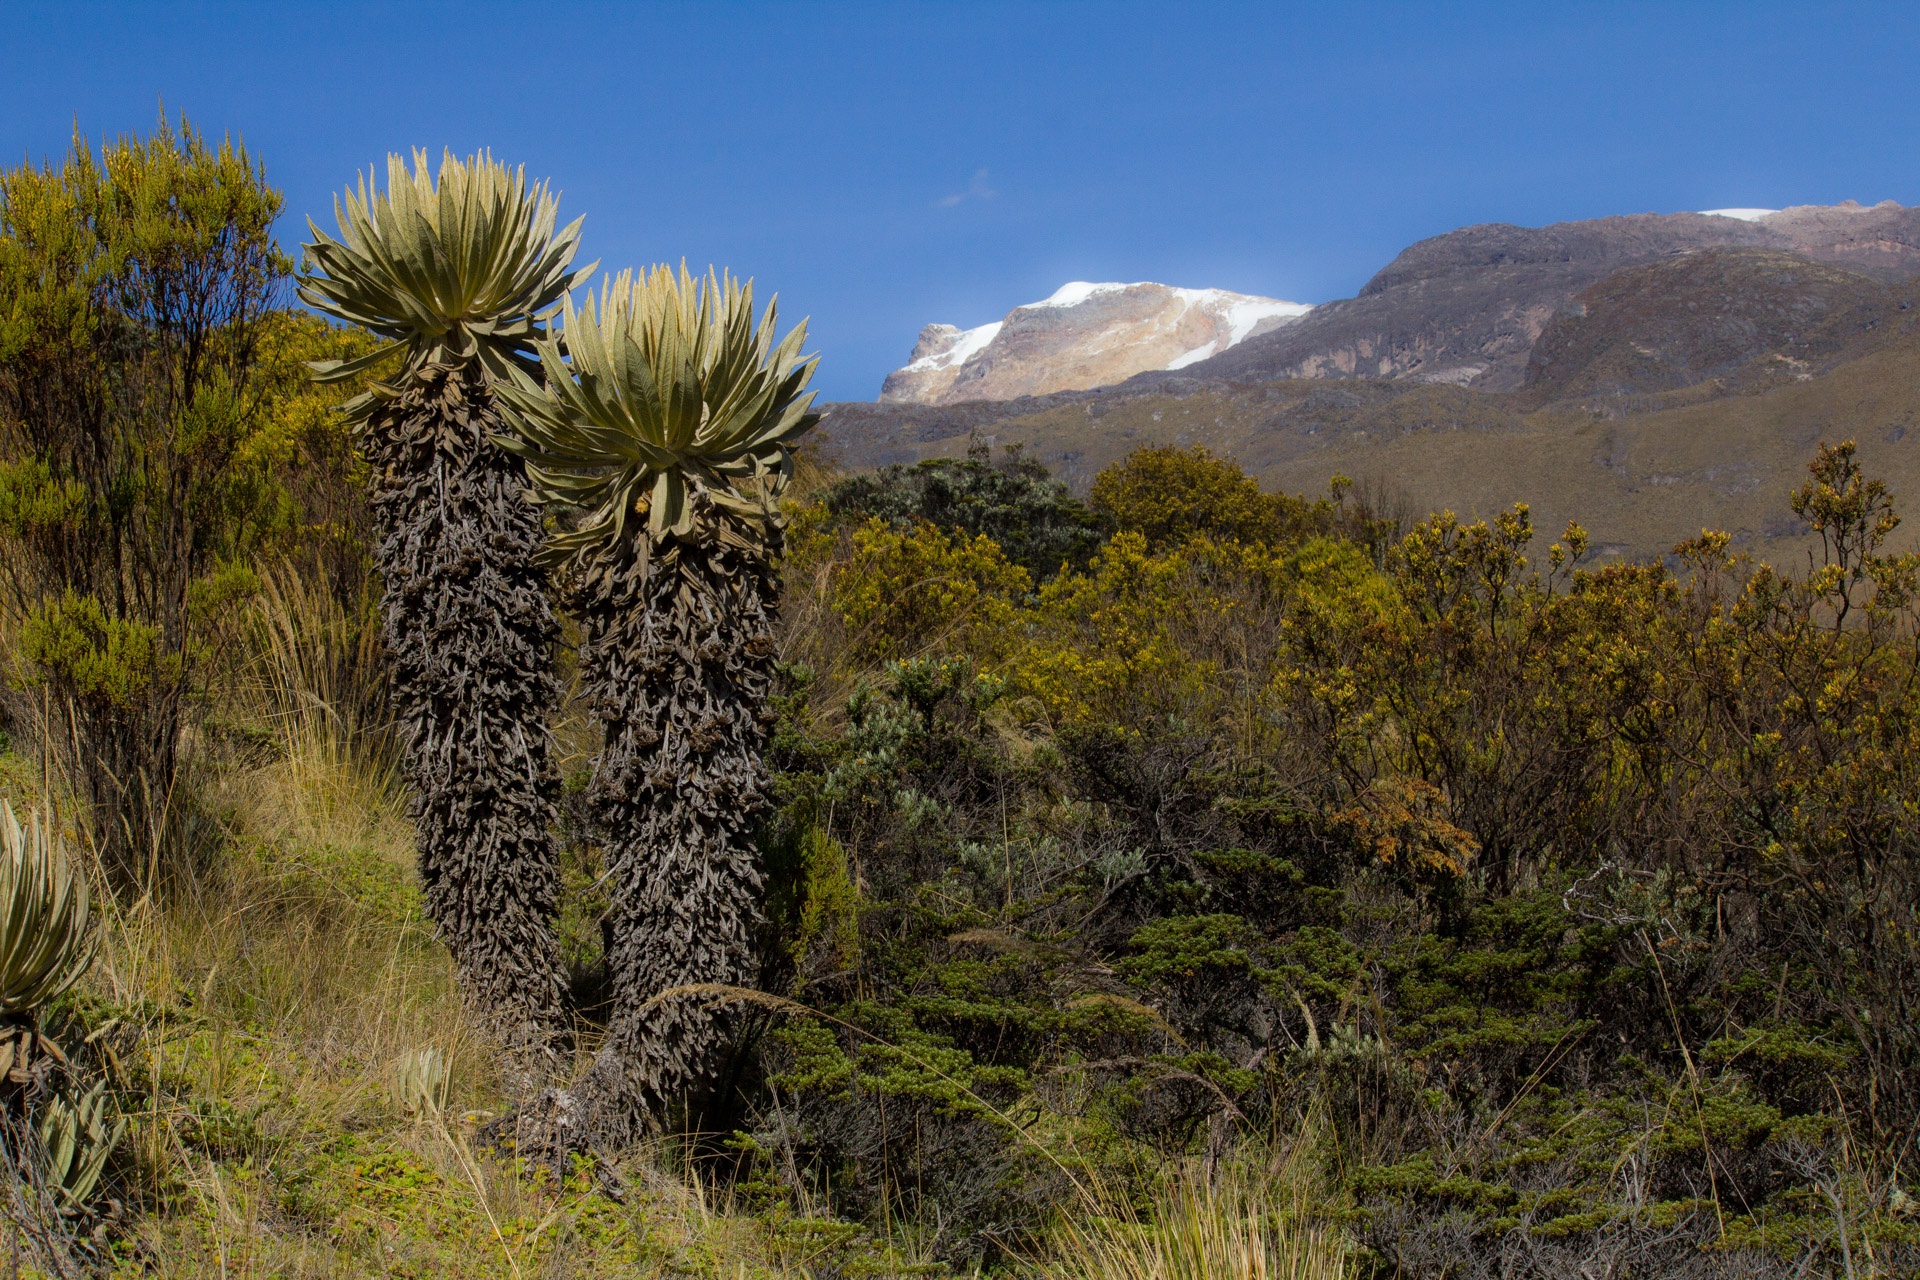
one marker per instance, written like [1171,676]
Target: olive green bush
[137,285]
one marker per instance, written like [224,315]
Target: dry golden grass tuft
[1255,1216]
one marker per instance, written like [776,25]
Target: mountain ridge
[1466,307]
[1651,385]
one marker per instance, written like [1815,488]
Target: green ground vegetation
[1273,888]
[1529,913]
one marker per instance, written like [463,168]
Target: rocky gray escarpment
[1467,307]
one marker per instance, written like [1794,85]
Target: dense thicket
[1572,901]
[137,289]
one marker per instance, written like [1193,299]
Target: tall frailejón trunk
[665,429]
[677,660]
[470,633]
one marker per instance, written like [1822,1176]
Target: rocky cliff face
[1741,319]
[1085,335]
[1467,307]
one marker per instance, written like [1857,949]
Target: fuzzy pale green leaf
[44,944]
[661,388]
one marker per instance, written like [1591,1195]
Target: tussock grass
[1255,1217]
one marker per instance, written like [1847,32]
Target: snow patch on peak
[1242,313]
[1194,356]
[965,345]
[1073,293]
[1063,344]
[1745,215]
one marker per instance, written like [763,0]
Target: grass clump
[1258,1215]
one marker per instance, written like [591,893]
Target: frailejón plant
[419,1083]
[44,942]
[454,271]
[666,427]
[76,1140]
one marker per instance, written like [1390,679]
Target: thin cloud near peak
[976,190]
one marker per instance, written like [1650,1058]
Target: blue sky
[886,165]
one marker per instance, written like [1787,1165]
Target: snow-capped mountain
[1085,335]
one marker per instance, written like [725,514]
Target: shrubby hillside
[1192,879]
[1648,376]
[1534,916]
[1563,904]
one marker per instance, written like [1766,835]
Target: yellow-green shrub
[905,593]
[1167,495]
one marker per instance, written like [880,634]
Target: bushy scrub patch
[925,873]
[1564,897]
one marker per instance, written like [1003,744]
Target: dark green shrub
[1012,500]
